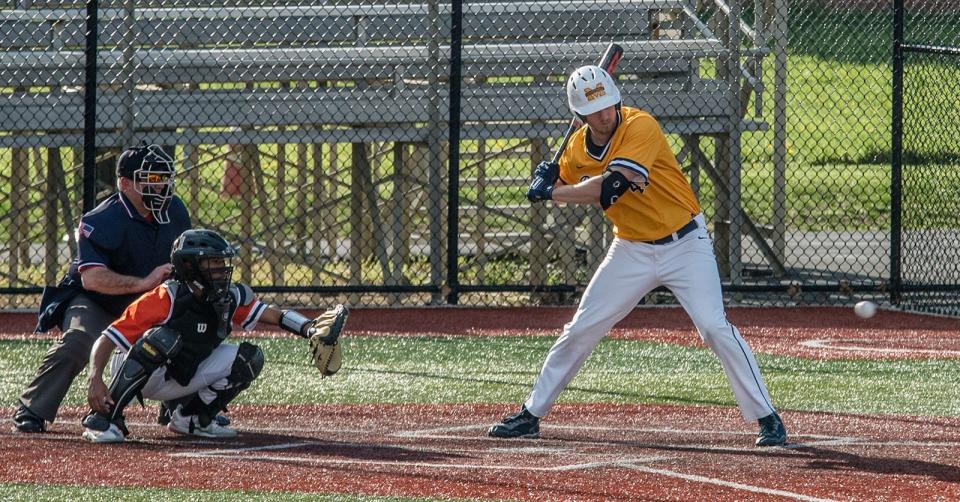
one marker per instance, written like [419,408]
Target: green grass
[421,369]
[501,369]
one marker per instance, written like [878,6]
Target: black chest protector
[202,327]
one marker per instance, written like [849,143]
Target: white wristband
[294,322]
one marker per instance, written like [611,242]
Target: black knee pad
[246,368]
[248,364]
[156,346]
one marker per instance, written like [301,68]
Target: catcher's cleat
[190,425]
[27,421]
[772,432]
[163,417]
[521,425]
[113,434]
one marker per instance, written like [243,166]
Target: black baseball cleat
[521,425]
[163,416]
[166,411]
[772,432]
[27,421]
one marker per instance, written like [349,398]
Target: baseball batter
[621,161]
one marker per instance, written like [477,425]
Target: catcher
[169,344]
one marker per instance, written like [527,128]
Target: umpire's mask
[152,172]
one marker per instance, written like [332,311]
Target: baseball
[865,309]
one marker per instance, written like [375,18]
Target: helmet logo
[594,92]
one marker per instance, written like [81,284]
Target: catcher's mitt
[324,336]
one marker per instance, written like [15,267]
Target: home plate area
[587,452]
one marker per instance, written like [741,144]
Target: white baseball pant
[630,270]
[212,372]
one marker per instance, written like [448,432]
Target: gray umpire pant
[83,323]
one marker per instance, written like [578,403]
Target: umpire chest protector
[201,328]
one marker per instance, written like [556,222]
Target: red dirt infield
[808,332]
[588,452]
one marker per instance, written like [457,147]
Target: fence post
[90,109]
[435,148]
[896,156]
[359,251]
[733,143]
[453,182]
[126,70]
[19,192]
[51,254]
[778,42]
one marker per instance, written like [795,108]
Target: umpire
[123,249]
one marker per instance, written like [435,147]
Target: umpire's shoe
[521,425]
[25,420]
[772,432]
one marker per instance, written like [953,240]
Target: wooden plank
[164,66]
[18,35]
[51,231]
[192,108]
[399,132]
[322,24]
[369,55]
[178,10]
[26,72]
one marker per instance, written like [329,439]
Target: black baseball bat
[611,57]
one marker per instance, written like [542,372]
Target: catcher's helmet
[204,260]
[152,171]
[591,89]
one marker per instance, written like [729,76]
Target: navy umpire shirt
[116,236]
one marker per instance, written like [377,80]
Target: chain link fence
[926,162]
[378,152]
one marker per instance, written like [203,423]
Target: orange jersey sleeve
[151,309]
[249,308]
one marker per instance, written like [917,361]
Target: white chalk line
[827,343]
[244,454]
[558,447]
[633,463]
[728,484]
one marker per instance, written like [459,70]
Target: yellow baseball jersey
[667,203]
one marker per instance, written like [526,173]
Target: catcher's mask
[152,172]
[204,260]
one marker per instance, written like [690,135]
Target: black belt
[686,229]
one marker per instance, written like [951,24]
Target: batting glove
[549,171]
[540,190]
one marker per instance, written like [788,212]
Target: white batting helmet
[591,89]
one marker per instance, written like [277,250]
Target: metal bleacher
[192,73]
[181,53]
